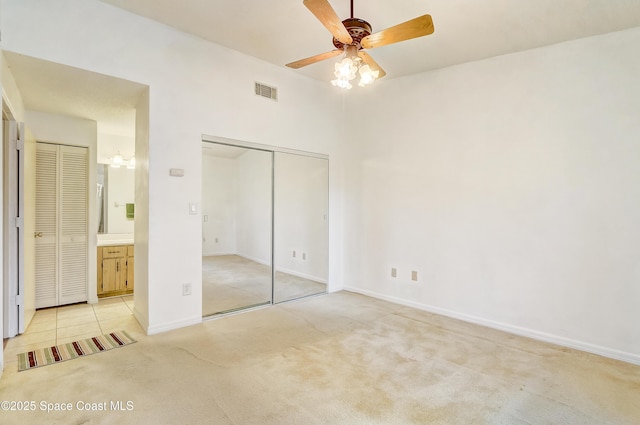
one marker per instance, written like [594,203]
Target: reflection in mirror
[100,197]
[301,242]
[115,189]
[236,228]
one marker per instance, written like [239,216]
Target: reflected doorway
[264,228]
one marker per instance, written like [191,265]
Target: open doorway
[57,97]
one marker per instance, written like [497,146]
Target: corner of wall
[141,220]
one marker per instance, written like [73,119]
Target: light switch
[193,208]
[176,172]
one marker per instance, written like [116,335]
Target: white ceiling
[282,31]
[54,88]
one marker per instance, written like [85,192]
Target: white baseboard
[216,254]
[287,271]
[255,260]
[517,330]
[302,275]
[164,327]
[141,320]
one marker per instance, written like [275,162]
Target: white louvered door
[73,206]
[46,233]
[61,224]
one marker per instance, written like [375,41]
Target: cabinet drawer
[114,251]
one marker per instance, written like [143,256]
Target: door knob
[37,234]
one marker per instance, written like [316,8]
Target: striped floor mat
[73,350]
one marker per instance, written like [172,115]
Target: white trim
[283,270]
[517,330]
[269,148]
[169,326]
[302,275]
[217,316]
[217,254]
[13,313]
[141,320]
[255,260]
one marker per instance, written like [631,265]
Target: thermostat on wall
[176,172]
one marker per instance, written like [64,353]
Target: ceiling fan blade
[328,17]
[314,59]
[416,27]
[366,57]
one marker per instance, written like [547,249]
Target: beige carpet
[231,282]
[335,359]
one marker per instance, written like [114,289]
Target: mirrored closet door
[265,226]
[301,233]
[236,228]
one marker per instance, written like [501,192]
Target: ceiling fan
[353,35]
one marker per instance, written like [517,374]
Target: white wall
[75,132]
[219,205]
[253,197]
[511,186]
[111,144]
[141,219]
[195,88]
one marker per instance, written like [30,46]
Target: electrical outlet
[294,254]
[304,255]
[414,276]
[186,289]
[216,240]
[394,272]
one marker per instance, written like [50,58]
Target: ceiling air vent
[266,91]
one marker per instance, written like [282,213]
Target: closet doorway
[264,225]
[61,232]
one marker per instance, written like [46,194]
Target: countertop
[114,239]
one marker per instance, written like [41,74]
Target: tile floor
[59,325]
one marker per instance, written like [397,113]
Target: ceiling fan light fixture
[345,71]
[131,164]
[117,161]
[349,67]
[367,75]
[346,68]
[343,83]
[353,36]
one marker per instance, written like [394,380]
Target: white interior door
[13,230]
[46,232]
[73,207]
